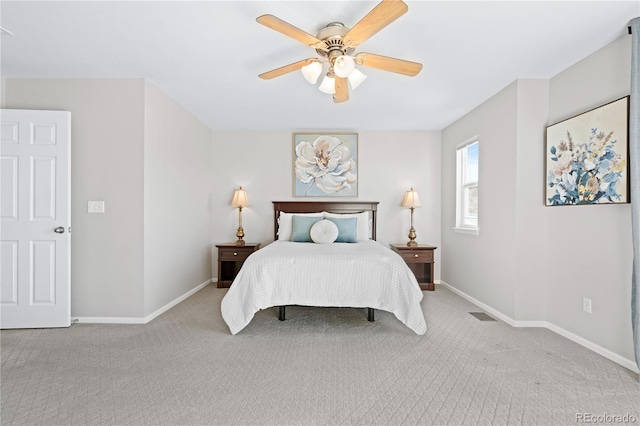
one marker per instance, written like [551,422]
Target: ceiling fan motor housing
[333,37]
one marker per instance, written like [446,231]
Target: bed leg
[370,314]
[281,313]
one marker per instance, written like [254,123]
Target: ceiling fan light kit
[356,78]
[336,43]
[328,85]
[344,65]
[312,71]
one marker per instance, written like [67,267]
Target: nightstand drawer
[234,253]
[417,256]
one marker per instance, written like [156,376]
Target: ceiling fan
[336,44]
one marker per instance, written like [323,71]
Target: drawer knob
[235,254]
[415,255]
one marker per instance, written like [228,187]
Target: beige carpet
[320,367]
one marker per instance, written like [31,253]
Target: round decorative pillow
[324,232]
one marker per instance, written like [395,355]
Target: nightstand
[420,260]
[230,260]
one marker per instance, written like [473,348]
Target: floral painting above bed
[325,164]
[587,157]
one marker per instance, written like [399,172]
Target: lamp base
[412,238]
[240,235]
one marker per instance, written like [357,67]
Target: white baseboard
[138,320]
[625,362]
[108,320]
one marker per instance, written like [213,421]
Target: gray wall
[589,247]
[484,266]
[149,161]
[107,150]
[531,221]
[178,180]
[533,263]
[3,85]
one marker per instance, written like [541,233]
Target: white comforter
[361,275]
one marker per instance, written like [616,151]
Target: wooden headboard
[325,206]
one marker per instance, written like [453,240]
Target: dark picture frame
[587,157]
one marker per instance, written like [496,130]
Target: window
[467,187]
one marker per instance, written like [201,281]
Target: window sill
[468,231]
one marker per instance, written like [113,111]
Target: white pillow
[324,232]
[284,223]
[363,231]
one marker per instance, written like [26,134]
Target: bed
[361,273]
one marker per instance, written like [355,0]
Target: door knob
[59,230]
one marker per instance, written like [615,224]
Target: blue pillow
[347,229]
[301,228]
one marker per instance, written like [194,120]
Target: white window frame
[465,224]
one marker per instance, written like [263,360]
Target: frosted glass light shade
[312,71]
[356,78]
[328,85]
[343,66]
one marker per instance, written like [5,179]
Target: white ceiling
[207,55]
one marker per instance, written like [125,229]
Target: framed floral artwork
[325,164]
[587,157]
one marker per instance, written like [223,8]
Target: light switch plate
[95,207]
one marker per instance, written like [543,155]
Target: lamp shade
[343,66]
[240,198]
[312,71]
[328,85]
[356,78]
[411,199]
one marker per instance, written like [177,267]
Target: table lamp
[240,200]
[411,201]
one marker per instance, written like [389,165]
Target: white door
[35,210]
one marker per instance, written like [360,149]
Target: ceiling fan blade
[286,69]
[380,16]
[386,63]
[342,90]
[287,29]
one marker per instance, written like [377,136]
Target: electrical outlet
[586,305]
[95,206]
